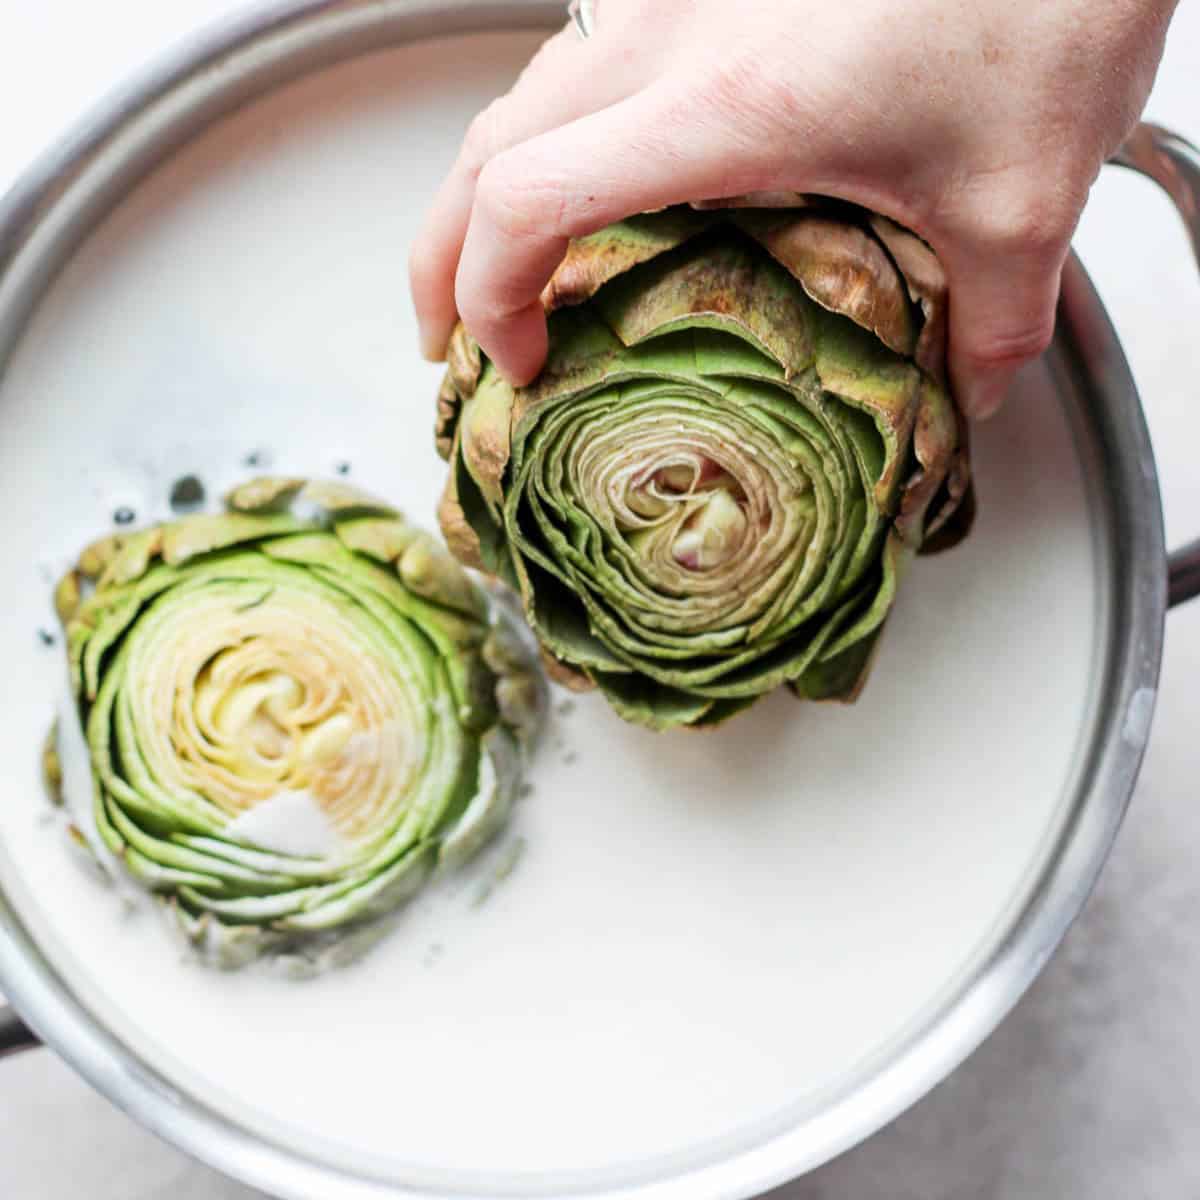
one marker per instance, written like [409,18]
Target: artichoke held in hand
[741,435]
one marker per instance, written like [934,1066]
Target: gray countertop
[1091,1089]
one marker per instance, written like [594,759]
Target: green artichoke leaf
[384,539]
[644,701]
[488,809]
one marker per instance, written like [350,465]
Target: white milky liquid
[290,822]
[705,930]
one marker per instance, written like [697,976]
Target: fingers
[654,149]
[566,79]
[1004,286]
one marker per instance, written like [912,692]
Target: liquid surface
[704,929]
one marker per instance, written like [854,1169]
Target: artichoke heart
[294,711]
[742,435]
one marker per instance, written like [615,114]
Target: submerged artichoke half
[740,436]
[294,711]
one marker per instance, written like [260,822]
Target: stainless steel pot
[74,186]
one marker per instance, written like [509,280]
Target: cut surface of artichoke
[294,711]
[741,436]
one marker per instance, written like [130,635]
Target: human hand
[979,124]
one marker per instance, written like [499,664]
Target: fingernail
[517,379]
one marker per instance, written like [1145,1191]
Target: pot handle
[14,1033]
[1174,164]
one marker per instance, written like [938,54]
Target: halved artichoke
[294,711]
[741,435]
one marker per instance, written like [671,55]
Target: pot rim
[73,186]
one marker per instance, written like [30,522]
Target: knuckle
[517,201]
[484,137]
[484,304]
[546,57]
[1028,220]
[1010,348]
[480,310]
[486,312]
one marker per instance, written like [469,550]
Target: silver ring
[583,15]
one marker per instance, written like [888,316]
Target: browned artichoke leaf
[591,261]
[485,434]
[448,404]
[954,510]
[926,283]
[935,444]
[729,288]
[568,677]
[457,531]
[464,361]
[841,266]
